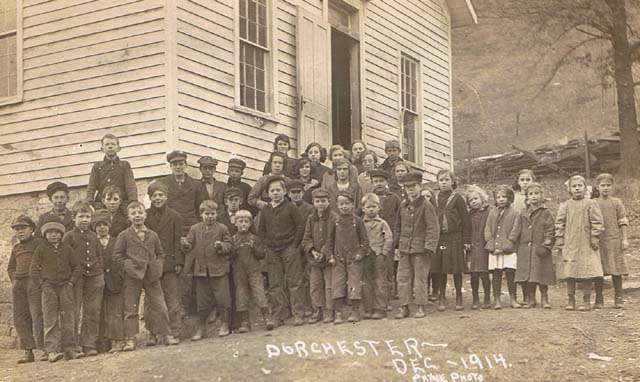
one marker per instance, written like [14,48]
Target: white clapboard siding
[90,68]
[419,28]
[208,121]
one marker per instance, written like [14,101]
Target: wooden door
[313,51]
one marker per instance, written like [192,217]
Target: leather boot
[599,304]
[129,345]
[586,303]
[44,356]
[378,314]
[151,340]
[544,301]
[619,302]
[459,303]
[475,305]
[201,330]
[316,316]
[170,340]
[116,346]
[514,302]
[329,317]
[419,312]
[244,322]
[338,305]
[403,312]
[268,319]
[486,304]
[224,326]
[355,311]
[27,358]
[498,304]
[571,302]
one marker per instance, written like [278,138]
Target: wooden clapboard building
[220,78]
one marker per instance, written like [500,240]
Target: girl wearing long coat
[535,264]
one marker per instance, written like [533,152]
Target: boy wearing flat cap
[27,308]
[347,246]
[55,269]
[296,193]
[214,188]
[167,223]
[233,201]
[58,194]
[111,171]
[235,169]
[416,235]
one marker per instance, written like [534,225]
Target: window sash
[253,25]
[409,136]
[409,84]
[253,77]
[8,49]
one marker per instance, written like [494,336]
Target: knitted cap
[391,144]
[52,222]
[157,185]
[100,216]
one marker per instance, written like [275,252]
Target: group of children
[356,234]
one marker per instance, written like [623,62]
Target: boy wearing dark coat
[416,235]
[111,332]
[27,305]
[167,223]
[112,171]
[88,289]
[139,250]
[280,229]
[247,274]
[58,194]
[296,195]
[313,246]
[55,269]
[347,246]
[112,202]
[214,188]
[210,246]
[233,201]
[235,169]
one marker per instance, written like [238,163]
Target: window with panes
[409,103]
[254,54]
[8,49]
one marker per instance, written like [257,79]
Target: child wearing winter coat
[613,241]
[501,233]
[535,264]
[579,225]
[478,256]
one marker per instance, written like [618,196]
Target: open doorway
[345,88]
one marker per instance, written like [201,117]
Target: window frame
[18,97]
[271,103]
[404,110]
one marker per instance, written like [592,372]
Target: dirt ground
[506,345]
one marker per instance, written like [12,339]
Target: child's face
[369,162]
[345,205]
[209,216]
[524,180]
[445,182]
[136,216]
[342,172]
[379,184]
[577,189]
[243,224]
[314,154]
[277,164]
[158,199]
[282,146]
[23,232]
[413,190]
[110,147]
[399,171]
[276,191]
[178,167]
[502,200]
[234,173]
[233,203]
[475,202]
[371,209]
[83,220]
[305,170]
[337,154]
[393,153]
[59,200]
[605,187]
[321,204]
[357,149]
[102,229]
[534,196]
[112,202]
[296,194]
[53,236]
[207,171]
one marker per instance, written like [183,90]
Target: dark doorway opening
[345,89]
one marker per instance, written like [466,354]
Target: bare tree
[580,27]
